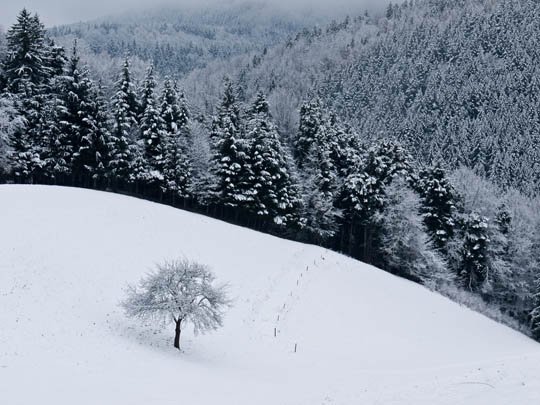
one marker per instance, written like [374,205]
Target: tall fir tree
[26,64]
[125,127]
[275,197]
[175,116]
[95,150]
[311,119]
[78,134]
[27,75]
[439,201]
[320,189]
[153,134]
[230,161]
[473,268]
[363,196]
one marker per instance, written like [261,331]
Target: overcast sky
[55,12]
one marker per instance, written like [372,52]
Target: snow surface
[362,335]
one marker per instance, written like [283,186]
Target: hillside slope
[453,80]
[181,38]
[364,336]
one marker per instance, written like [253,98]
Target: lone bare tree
[180,291]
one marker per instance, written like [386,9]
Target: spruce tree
[55,58]
[438,205]
[274,195]
[474,264]
[29,145]
[176,165]
[308,132]
[25,67]
[125,127]
[26,75]
[230,161]
[153,134]
[97,153]
[79,146]
[363,196]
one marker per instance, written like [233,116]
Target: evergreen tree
[274,195]
[308,132]
[153,134]
[363,196]
[438,205]
[124,133]
[25,67]
[95,151]
[28,143]
[175,119]
[55,58]
[474,265]
[229,106]
[80,137]
[320,190]
[230,161]
[26,75]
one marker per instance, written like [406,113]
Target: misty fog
[55,12]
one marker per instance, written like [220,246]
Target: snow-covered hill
[362,335]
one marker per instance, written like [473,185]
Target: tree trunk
[178,330]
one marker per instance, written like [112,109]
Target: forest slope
[455,81]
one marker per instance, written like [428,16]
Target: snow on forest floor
[363,336]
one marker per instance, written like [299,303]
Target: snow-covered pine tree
[55,58]
[95,149]
[230,154]
[311,119]
[78,133]
[344,147]
[184,115]
[125,127]
[175,117]
[153,135]
[474,264]
[28,143]
[320,188]
[65,125]
[25,67]
[363,196]
[26,75]
[275,198]
[438,205]
[229,106]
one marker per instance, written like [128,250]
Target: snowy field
[362,335]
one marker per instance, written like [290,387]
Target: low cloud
[54,12]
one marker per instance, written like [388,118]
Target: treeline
[456,233]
